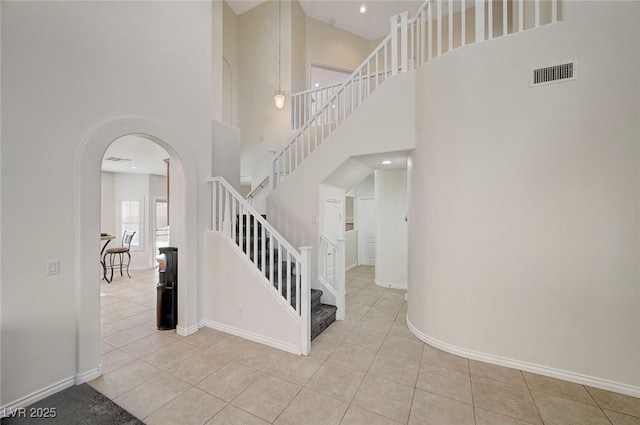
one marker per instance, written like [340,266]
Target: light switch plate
[53,267]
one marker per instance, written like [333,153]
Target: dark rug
[77,405]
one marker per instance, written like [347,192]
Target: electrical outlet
[314,219]
[53,267]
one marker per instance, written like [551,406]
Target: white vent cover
[554,74]
[116,159]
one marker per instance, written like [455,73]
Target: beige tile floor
[368,369]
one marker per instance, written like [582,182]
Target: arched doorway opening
[182,210]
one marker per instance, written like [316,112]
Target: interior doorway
[134,197]
[367,231]
[333,228]
[183,186]
[334,218]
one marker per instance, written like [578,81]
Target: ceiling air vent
[554,74]
[116,159]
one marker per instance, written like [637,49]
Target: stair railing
[230,211]
[304,104]
[331,270]
[376,68]
[488,20]
[257,189]
[410,44]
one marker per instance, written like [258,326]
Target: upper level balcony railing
[439,27]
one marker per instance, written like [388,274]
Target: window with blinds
[132,220]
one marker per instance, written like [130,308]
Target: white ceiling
[241,6]
[344,14]
[374,161]
[145,156]
[351,172]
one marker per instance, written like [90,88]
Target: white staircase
[439,27]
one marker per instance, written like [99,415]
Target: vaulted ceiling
[345,14]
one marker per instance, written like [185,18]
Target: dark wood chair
[119,252]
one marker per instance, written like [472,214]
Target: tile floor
[368,369]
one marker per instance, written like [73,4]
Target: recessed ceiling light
[385,162]
[135,168]
[363,9]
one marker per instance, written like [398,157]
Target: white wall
[76,76]
[264,127]
[366,188]
[226,152]
[241,302]
[230,55]
[331,46]
[523,225]
[299,71]
[107,203]
[391,228]
[218,74]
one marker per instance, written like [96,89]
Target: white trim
[182,331]
[565,375]
[327,286]
[37,395]
[89,375]
[389,284]
[353,266]
[280,345]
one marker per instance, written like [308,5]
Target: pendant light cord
[279,46]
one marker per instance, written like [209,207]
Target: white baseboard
[90,375]
[36,396]
[280,345]
[353,266]
[182,331]
[528,367]
[389,284]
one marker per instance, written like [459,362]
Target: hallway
[368,369]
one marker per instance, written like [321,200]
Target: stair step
[321,317]
[316,294]
[276,271]
[247,221]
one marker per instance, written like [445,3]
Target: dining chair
[119,252]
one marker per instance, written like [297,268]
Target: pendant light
[279,96]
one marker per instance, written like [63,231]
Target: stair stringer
[385,122]
[241,303]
